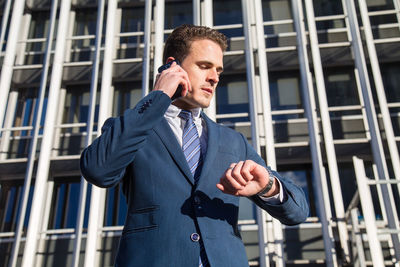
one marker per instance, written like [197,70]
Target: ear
[169,59]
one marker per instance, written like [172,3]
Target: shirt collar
[173,111]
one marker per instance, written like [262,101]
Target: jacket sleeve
[103,163]
[294,209]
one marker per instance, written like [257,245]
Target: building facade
[313,85]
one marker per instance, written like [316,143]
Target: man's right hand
[169,80]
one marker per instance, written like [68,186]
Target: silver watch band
[269,184]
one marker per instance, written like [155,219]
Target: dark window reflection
[10,199]
[116,208]
[126,95]
[285,90]
[341,87]
[65,203]
[391,81]
[178,13]
[327,7]
[232,97]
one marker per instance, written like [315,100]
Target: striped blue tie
[191,144]
[192,150]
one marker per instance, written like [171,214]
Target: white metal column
[8,62]
[8,122]
[147,46]
[35,137]
[380,91]
[369,214]
[327,131]
[4,23]
[90,124]
[206,19]
[376,141]
[261,216]
[320,184]
[267,120]
[158,36]
[47,141]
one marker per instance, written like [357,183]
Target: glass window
[64,203]
[232,97]
[25,115]
[38,28]
[341,87]
[132,21]
[126,95]
[76,107]
[376,5]
[10,199]
[285,90]
[76,110]
[85,24]
[276,10]
[327,7]
[228,12]
[391,81]
[302,176]
[178,13]
[116,208]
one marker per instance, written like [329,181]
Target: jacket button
[197,200]
[195,237]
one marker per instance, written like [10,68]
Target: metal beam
[47,140]
[319,182]
[35,137]
[8,61]
[369,214]
[327,131]
[147,46]
[376,141]
[89,128]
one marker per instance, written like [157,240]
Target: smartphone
[178,92]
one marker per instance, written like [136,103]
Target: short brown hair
[179,41]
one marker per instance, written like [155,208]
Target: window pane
[178,13]
[65,203]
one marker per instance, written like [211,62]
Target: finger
[228,188]
[248,166]
[230,181]
[236,173]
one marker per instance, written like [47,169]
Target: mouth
[207,90]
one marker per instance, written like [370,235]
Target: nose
[213,76]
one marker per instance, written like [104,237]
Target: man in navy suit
[178,216]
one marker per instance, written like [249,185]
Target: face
[203,64]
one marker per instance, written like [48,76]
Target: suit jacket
[164,205]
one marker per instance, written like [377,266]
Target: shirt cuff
[278,198]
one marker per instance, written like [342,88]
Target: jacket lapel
[212,148]
[166,135]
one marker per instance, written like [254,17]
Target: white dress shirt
[177,124]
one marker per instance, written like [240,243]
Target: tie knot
[185,114]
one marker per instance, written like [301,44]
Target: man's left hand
[246,178]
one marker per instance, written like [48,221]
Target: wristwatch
[268,187]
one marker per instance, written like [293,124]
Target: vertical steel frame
[158,35]
[369,214]
[327,130]
[42,173]
[35,136]
[376,141]
[8,61]
[89,128]
[267,120]
[320,185]
[261,218]
[147,46]
[380,91]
